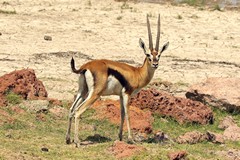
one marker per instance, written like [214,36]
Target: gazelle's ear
[142,45]
[165,46]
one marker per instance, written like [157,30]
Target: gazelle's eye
[149,59]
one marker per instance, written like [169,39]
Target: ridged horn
[149,35]
[158,34]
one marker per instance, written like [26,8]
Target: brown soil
[203,43]
[141,121]
[5,117]
[122,150]
[182,109]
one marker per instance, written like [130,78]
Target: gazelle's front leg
[122,118]
[125,101]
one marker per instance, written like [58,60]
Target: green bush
[13,98]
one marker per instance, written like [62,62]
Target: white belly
[113,87]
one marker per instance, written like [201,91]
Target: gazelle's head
[153,55]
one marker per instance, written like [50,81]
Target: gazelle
[105,77]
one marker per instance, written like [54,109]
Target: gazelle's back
[114,75]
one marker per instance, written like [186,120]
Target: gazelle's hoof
[68,140]
[131,141]
[76,142]
[77,145]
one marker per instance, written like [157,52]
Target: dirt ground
[203,43]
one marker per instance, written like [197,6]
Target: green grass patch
[27,136]
[13,98]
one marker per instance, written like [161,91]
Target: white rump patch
[90,83]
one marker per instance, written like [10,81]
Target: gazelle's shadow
[97,138]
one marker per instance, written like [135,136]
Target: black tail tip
[72,60]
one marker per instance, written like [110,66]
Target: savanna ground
[204,42]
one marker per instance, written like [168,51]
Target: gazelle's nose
[155,65]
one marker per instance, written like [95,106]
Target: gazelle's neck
[146,73]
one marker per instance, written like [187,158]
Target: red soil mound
[140,120]
[182,109]
[23,82]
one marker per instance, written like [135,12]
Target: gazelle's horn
[149,35]
[158,34]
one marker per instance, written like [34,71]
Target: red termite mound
[22,82]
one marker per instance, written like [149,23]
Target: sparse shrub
[5,3]
[215,38]
[125,5]
[217,7]
[7,12]
[13,98]
[179,16]
[119,17]
[89,3]
[194,2]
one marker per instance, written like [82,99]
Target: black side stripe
[121,79]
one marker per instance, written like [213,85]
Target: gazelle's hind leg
[82,91]
[80,110]
[94,92]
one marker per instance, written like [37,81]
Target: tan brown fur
[106,77]
[137,77]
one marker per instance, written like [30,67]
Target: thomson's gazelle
[106,77]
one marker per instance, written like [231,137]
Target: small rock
[160,137]
[58,111]
[48,38]
[0,33]
[17,110]
[180,155]
[232,133]
[215,137]
[227,122]
[44,149]
[140,137]
[212,92]
[191,137]
[233,154]
[36,106]
[8,135]
[40,117]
